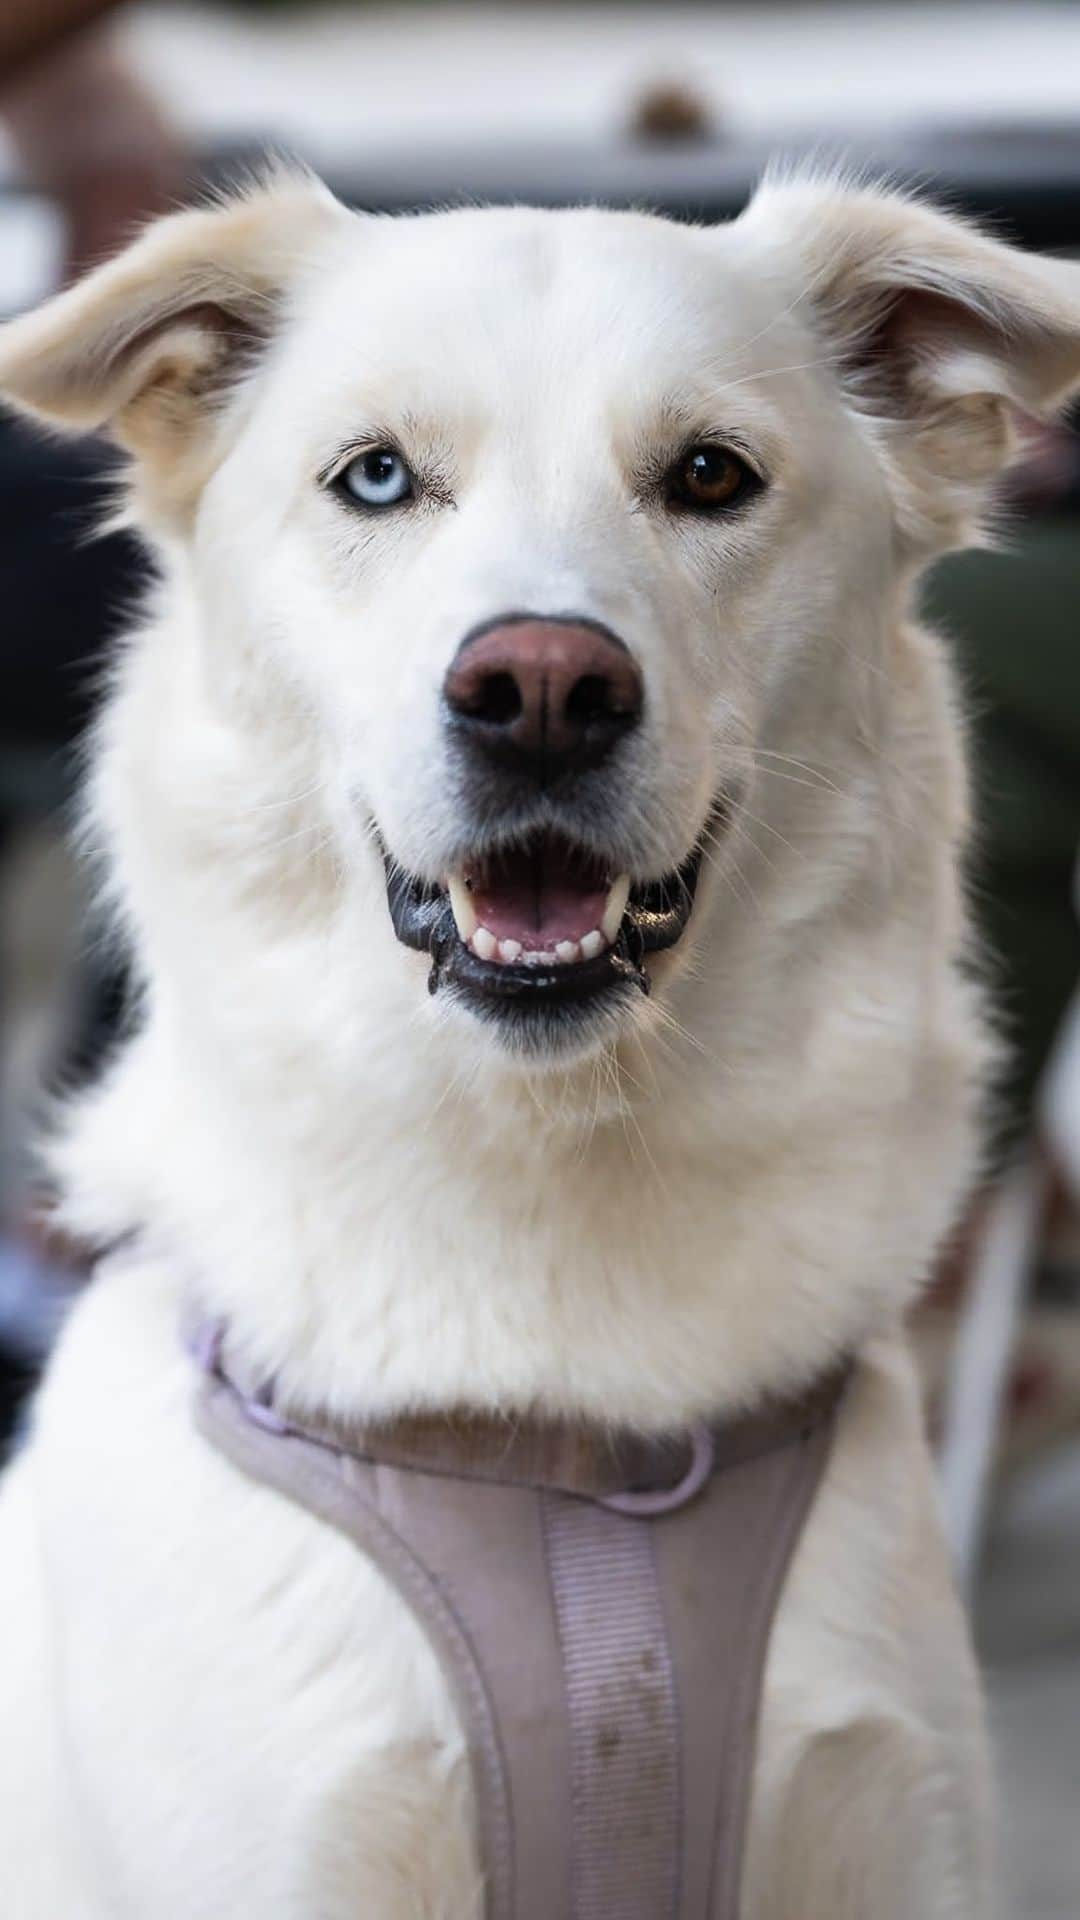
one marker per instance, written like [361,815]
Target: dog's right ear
[941,337]
[146,345]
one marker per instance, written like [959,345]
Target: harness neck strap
[634,1473]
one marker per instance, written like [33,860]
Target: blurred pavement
[1028,1622]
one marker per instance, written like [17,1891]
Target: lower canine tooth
[567,950]
[616,907]
[464,912]
[510,950]
[592,944]
[484,944]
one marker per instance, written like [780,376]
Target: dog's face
[532,510]
[540,524]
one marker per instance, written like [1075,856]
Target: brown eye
[707,479]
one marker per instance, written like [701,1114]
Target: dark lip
[657,915]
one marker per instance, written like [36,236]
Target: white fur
[210,1702]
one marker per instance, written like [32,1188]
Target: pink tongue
[538,915]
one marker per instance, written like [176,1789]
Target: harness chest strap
[602,1607]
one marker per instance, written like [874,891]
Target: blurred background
[109,114]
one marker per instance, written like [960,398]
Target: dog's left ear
[943,338]
[148,346]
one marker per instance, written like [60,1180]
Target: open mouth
[540,921]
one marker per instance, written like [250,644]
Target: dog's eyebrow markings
[413,436]
[420,429]
[680,424]
[716,407]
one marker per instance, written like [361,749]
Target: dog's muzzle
[537,713]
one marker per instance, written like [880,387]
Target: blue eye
[377,478]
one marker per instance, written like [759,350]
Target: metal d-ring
[647,1505]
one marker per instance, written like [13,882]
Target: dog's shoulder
[183,1599]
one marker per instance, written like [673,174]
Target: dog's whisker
[672,1025]
[325,839]
[795,780]
[282,801]
[805,293]
[818,776]
[730,874]
[721,847]
[774,373]
[752,820]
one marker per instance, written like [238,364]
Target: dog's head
[549,544]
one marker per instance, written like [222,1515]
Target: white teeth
[616,907]
[464,912]
[565,953]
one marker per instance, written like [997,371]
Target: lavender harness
[601,1603]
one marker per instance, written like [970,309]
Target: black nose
[544,696]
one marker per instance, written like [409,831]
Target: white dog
[507,560]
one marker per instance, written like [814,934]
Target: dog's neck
[654,1240]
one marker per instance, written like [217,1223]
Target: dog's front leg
[390,1836]
[876,1822]
[871,1795]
